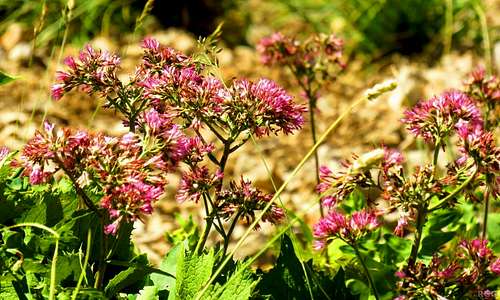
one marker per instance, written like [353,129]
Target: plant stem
[84,267]
[227,238]
[367,272]
[453,193]
[422,213]
[486,206]
[312,107]
[101,269]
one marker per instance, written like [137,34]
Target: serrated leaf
[5,78]
[239,286]
[192,272]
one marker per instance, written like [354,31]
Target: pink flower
[435,118]
[151,44]
[244,200]
[111,228]
[57,91]
[477,248]
[36,175]
[495,267]
[400,274]
[362,220]
[402,223]
[4,151]
[349,229]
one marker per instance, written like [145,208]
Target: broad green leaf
[68,267]
[193,272]
[433,241]
[494,231]
[444,218]
[132,275]
[148,293]
[5,78]
[239,286]
[169,265]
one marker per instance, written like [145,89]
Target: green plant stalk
[423,209]
[280,190]
[448,27]
[53,267]
[367,272]
[486,36]
[442,203]
[84,267]
[422,214]
[312,100]
[273,240]
[486,207]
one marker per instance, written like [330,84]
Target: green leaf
[169,265]
[239,286]
[494,231]
[132,275]
[68,267]
[193,272]
[444,218]
[5,78]
[148,293]
[432,242]
[47,209]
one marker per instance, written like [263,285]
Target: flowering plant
[442,262]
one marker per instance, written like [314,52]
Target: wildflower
[341,184]
[402,223]
[349,229]
[495,267]
[95,71]
[194,183]
[4,151]
[242,199]
[477,248]
[129,179]
[263,107]
[436,118]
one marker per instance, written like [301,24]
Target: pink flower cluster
[175,84]
[129,179]
[437,118]
[319,50]
[242,199]
[349,229]
[483,89]
[93,71]
[468,271]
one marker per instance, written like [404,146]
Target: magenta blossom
[436,118]
[349,229]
